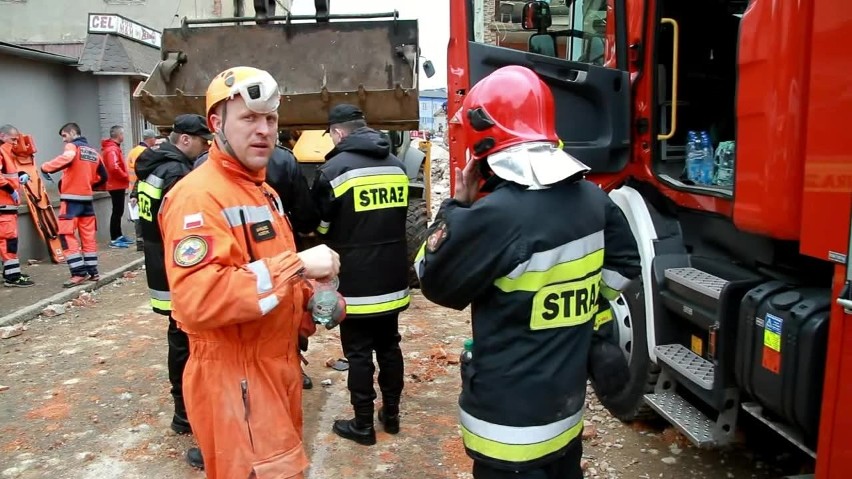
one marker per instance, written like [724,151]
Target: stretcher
[42,213]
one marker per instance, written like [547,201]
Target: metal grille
[687,363]
[697,280]
[689,420]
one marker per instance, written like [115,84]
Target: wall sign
[111,23]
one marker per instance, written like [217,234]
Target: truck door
[592,100]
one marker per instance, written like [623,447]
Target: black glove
[303,343]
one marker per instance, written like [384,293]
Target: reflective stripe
[90,259]
[252,214]
[377,304]
[10,175]
[518,444]
[573,260]
[76,197]
[264,279]
[74,259]
[161,304]
[12,266]
[419,260]
[8,208]
[149,190]
[161,295]
[14,270]
[609,293]
[267,304]
[155,181]
[368,176]
[11,262]
[602,317]
[614,279]
[323,227]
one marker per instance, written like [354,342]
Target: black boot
[194,458]
[358,430]
[180,422]
[389,423]
[306,381]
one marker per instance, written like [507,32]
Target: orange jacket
[82,169]
[237,291]
[113,160]
[131,161]
[8,179]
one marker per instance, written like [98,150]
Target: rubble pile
[440,177]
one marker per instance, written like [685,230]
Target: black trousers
[566,467]
[117,212]
[360,337]
[178,355]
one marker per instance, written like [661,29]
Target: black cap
[190,124]
[343,113]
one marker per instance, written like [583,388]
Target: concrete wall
[38,98]
[114,103]
[66,20]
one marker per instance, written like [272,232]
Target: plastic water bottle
[467,353]
[325,300]
[725,164]
[694,156]
[707,161]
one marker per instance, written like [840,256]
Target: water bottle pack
[724,161]
[699,158]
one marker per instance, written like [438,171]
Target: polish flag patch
[193,221]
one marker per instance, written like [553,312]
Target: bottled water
[725,164]
[707,161]
[324,301]
[694,157]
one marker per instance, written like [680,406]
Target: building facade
[433,110]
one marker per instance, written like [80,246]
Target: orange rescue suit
[238,292]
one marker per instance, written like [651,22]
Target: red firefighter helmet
[510,106]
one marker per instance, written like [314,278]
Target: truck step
[693,423]
[784,430]
[697,280]
[690,365]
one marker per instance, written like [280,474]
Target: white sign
[101,23]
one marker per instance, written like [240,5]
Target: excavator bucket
[318,64]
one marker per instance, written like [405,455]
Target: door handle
[675,42]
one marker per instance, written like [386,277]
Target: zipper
[244,389]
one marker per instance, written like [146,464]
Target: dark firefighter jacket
[362,193]
[532,265]
[158,169]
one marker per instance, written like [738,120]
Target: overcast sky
[434,26]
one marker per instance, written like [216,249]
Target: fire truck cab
[718,128]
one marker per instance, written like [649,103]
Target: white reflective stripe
[518,435]
[371,171]
[76,197]
[155,181]
[382,298]
[74,259]
[614,279]
[267,304]
[252,214]
[14,270]
[12,262]
[324,224]
[8,208]
[10,175]
[574,250]
[161,295]
[264,279]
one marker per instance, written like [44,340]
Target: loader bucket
[372,64]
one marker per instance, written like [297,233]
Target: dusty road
[84,395]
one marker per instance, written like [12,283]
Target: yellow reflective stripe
[149,190]
[386,179]
[565,304]
[378,307]
[602,318]
[519,452]
[421,253]
[161,304]
[609,293]
[533,281]
[323,227]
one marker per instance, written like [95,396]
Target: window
[588,17]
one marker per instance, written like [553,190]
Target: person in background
[10,198]
[149,138]
[116,185]
[82,170]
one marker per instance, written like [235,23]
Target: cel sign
[109,23]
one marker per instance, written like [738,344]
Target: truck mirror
[543,44]
[428,69]
[536,16]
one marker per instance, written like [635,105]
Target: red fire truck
[745,294]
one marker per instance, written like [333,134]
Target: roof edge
[33,54]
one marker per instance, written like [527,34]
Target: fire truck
[744,302]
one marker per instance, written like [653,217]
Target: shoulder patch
[437,238]
[192,250]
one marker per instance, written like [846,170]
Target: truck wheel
[415,234]
[630,330]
